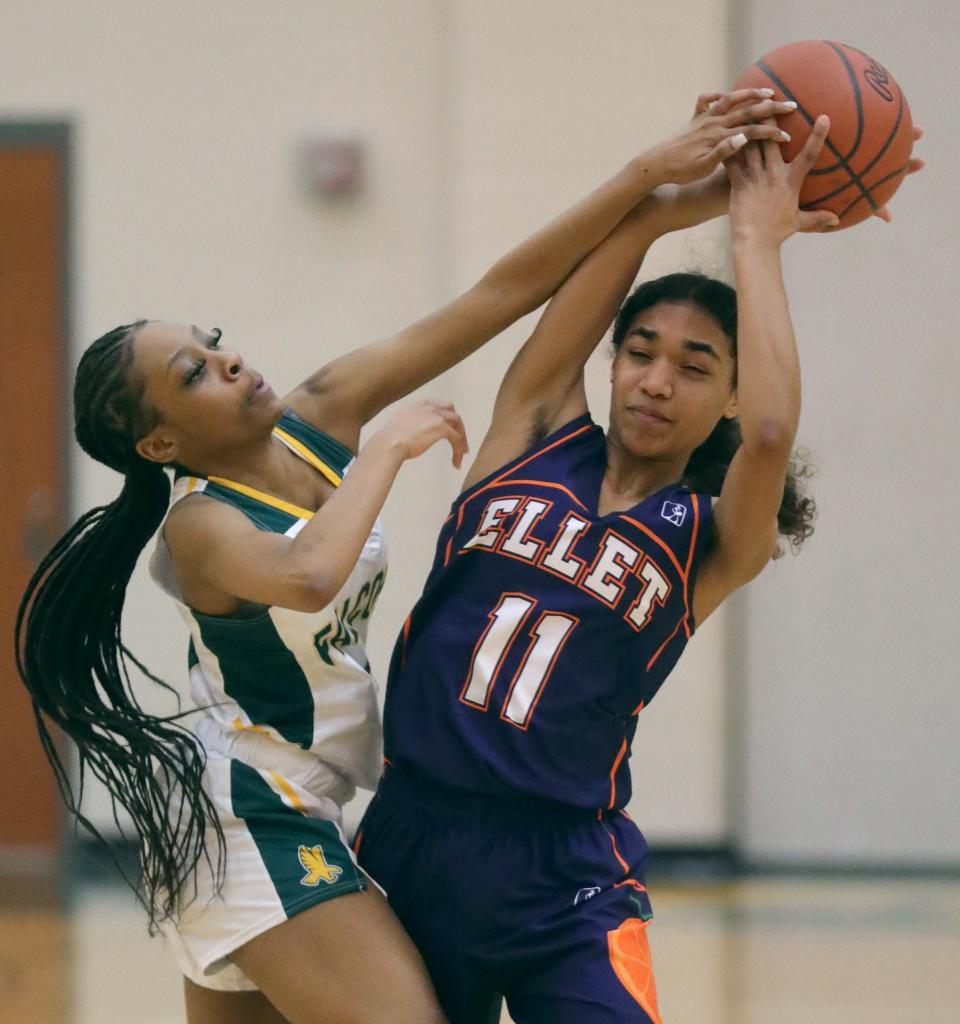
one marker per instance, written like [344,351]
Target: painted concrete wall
[481,120]
[848,746]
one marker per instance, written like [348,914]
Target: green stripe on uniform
[305,857]
[325,447]
[261,674]
[264,516]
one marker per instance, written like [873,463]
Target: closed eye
[196,371]
[198,366]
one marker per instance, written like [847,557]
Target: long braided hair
[708,465]
[73,661]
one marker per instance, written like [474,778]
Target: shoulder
[319,402]
[199,518]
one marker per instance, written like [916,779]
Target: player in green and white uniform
[272,763]
[272,551]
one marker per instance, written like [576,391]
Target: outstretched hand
[416,426]
[765,190]
[723,123]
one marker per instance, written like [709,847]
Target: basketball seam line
[870,166]
[876,184]
[817,171]
[854,178]
[858,99]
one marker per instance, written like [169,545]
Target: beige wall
[482,118]
[849,741]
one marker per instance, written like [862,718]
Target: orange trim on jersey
[357,840]
[696,527]
[537,483]
[405,632]
[613,781]
[662,543]
[543,451]
[636,711]
[513,469]
[288,791]
[633,883]
[552,486]
[623,864]
[693,544]
[629,953]
[676,629]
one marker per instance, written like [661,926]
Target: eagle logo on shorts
[316,867]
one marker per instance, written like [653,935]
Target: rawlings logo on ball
[878,78]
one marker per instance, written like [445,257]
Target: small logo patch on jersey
[316,867]
[674,513]
[586,894]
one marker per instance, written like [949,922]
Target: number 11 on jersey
[547,637]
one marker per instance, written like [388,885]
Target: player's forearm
[534,270]
[324,553]
[768,367]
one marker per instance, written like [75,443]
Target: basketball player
[568,578]
[273,553]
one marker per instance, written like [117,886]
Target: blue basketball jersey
[543,629]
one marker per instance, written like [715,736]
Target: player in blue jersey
[572,570]
[272,551]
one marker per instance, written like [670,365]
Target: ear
[732,408]
[158,446]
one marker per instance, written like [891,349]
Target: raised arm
[352,389]
[763,214]
[543,386]
[304,572]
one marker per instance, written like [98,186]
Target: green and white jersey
[301,679]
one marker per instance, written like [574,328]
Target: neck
[629,479]
[263,465]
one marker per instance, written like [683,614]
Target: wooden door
[34,408]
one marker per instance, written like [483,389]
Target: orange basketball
[871,134]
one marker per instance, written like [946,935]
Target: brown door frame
[56,135]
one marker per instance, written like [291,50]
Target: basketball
[871,133]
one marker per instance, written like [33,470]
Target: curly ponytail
[708,465]
[72,659]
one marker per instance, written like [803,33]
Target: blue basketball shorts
[543,905]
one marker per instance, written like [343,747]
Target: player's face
[208,399]
[672,381]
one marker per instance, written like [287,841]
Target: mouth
[647,415]
[260,387]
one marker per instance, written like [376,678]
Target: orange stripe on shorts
[631,962]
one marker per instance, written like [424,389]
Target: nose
[657,379]
[231,364]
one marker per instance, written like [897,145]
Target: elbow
[512,289]
[311,593]
[770,438]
